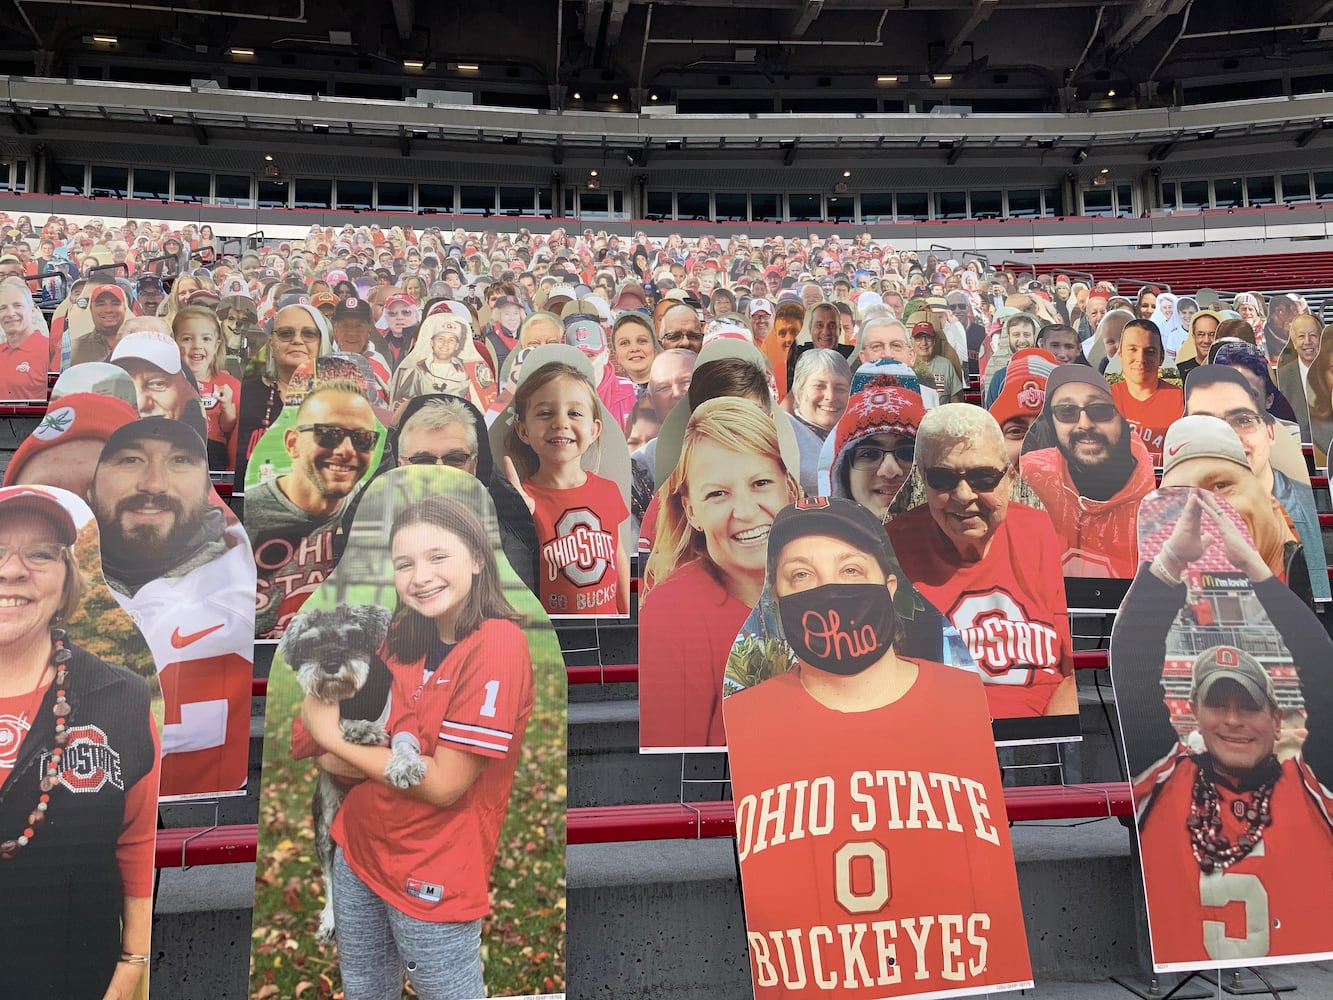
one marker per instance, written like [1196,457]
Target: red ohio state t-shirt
[577,531]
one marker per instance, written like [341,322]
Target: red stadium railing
[190,846]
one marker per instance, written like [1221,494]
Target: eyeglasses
[1098,413]
[35,556]
[1243,421]
[676,338]
[331,436]
[981,480]
[453,459]
[959,307]
[869,456]
[287,334]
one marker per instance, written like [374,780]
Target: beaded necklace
[1213,850]
[60,657]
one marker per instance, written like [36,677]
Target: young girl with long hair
[556,421]
[411,873]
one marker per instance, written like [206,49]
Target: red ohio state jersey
[874,849]
[1267,904]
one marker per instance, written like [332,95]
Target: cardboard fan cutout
[566,455]
[315,456]
[874,852]
[26,352]
[707,568]
[1090,470]
[992,565]
[1273,453]
[423,665]
[1222,687]
[78,757]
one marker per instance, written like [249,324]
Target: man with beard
[187,578]
[292,518]
[1282,309]
[1090,470]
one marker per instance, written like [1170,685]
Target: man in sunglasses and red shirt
[1090,470]
[990,565]
[292,518]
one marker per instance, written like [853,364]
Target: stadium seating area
[632,870]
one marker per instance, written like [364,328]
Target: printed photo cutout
[868,457]
[445,360]
[100,377]
[877,828]
[565,455]
[297,334]
[1319,398]
[93,322]
[1090,470]
[993,566]
[25,352]
[1299,354]
[79,759]
[708,566]
[303,471]
[486,716]
[1273,452]
[446,430]
[201,343]
[725,368]
[1222,688]
[180,563]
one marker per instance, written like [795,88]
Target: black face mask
[842,628]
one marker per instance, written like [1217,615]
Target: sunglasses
[1098,413]
[870,456]
[981,480]
[331,436]
[453,459]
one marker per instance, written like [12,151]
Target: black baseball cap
[176,432]
[352,308]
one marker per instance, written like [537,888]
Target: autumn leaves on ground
[523,939]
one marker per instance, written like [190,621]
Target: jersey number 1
[492,693]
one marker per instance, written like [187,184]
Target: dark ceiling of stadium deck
[723,56]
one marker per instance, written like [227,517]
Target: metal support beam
[619,8]
[981,11]
[1142,20]
[592,22]
[403,17]
[805,17]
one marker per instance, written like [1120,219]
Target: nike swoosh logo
[181,641]
[1171,452]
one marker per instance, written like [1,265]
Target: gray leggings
[377,943]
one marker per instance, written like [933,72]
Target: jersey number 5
[1222,888]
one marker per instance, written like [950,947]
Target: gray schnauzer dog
[334,654]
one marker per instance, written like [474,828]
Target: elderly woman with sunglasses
[991,566]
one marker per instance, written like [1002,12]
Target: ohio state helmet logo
[581,550]
[1003,642]
[89,762]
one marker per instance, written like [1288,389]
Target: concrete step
[664,919]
